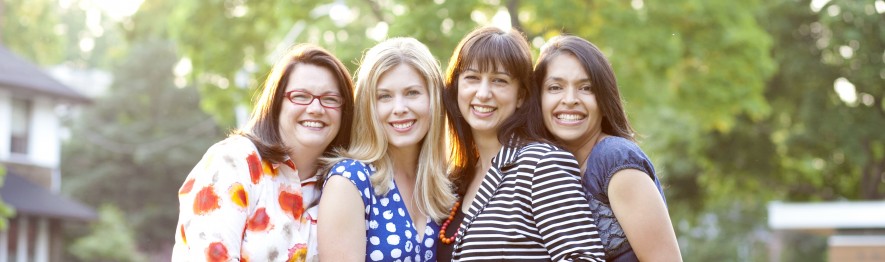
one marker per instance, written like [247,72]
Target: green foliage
[6,211]
[112,239]
[134,147]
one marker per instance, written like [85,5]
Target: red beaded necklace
[442,230]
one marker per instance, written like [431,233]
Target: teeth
[570,117]
[403,125]
[483,109]
[315,124]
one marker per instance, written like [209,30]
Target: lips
[570,117]
[402,125]
[312,124]
[483,109]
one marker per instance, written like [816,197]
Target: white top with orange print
[236,207]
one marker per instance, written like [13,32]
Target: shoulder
[234,145]
[348,165]
[613,154]
[544,150]
[356,171]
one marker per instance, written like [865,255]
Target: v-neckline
[419,235]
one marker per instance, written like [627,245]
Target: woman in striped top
[523,197]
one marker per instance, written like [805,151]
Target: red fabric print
[183,236]
[206,201]
[238,195]
[217,252]
[254,167]
[186,188]
[259,221]
[292,203]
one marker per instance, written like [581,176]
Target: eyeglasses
[304,98]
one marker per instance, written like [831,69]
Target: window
[21,125]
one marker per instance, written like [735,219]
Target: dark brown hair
[486,48]
[264,127]
[603,83]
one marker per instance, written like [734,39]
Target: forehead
[566,65]
[312,78]
[400,76]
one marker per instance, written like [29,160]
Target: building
[31,103]
[855,230]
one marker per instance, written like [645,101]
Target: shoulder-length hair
[603,83]
[487,48]
[264,128]
[369,145]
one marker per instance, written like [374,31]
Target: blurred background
[763,118]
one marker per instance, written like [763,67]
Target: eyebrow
[560,79]
[497,72]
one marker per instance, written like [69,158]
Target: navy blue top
[389,230]
[610,155]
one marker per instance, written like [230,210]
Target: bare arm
[341,225]
[642,214]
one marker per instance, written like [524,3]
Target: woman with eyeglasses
[385,197]
[246,199]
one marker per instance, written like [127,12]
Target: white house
[30,151]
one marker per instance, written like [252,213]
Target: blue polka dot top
[391,235]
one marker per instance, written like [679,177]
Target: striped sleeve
[560,211]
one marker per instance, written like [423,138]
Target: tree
[133,147]
[111,239]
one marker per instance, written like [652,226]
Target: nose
[314,107]
[570,96]
[484,91]
[400,106]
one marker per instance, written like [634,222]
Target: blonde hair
[369,143]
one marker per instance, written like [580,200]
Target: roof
[827,215]
[31,199]
[22,76]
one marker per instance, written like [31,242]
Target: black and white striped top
[530,206]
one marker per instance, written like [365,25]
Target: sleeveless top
[610,155]
[389,230]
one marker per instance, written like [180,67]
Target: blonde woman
[384,197]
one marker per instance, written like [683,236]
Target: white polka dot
[376,255]
[391,227]
[428,231]
[375,210]
[373,224]
[402,213]
[408,246]
[385,201]
[339,169]
[428,242]
[366,192]
[374,240]
[346,174]
[396,253]
[393,240]
[409,234]
[408,259]
[428,255]
[417,257]
[396,197]
[360,175]
[388,214]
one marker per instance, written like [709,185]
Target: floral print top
[234,206]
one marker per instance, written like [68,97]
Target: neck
[405,160]
[488,146]
[305,161]
[583,149]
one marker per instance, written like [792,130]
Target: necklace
[442,230]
